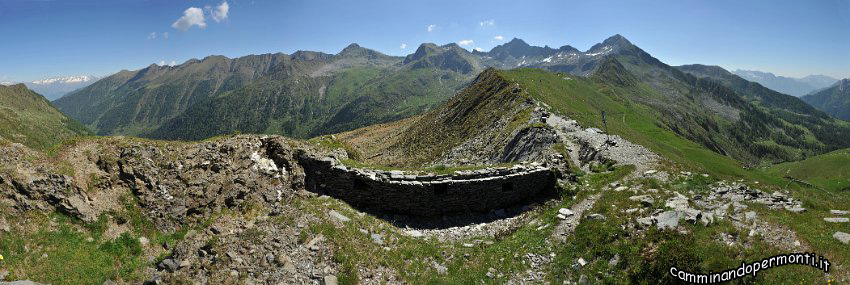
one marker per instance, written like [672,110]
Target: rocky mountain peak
[843,84]
[518,48]
[611,44]
[424,50]
[617,40]
[352,49]
[568,49]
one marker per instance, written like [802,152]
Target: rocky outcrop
[41,191]
[589,146]
[529,144]
[189,182]
[174,183]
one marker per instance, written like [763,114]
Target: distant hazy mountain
[53,88]
[834,100]
[788,85]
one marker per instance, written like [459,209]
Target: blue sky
[45,38]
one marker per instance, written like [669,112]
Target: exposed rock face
[40,190]
[428,195]
[592,145]
[176,183]
[27,186]
[529,144]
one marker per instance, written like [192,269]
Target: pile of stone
[717,204]
[738,192]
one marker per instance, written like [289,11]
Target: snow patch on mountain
[65,79]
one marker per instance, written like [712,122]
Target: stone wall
[427,195]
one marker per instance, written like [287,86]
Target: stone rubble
[591,145]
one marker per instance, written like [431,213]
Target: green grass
[829,171]
[29,119]
[62,255]
[645,258]
[58,249]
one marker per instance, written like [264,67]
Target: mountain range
[55,87]
[788,85]
[308,94]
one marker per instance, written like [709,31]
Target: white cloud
[431,28]
[465,42]
[152,36]
[478,49]
[220,12]
[403,46]
[499,38]
[487,23]
[165,35]
[161,63]
[191,17]
[173,63]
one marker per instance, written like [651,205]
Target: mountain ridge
[797,87]
[28,118]
[834,100]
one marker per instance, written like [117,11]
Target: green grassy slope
[473,112]
[830,171]
[133,102]
[755,126]
[29,119]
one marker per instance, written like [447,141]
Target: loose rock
[842,237]
[837,220]
[338,217]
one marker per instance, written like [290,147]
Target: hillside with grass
[476,125]
[834,100]
[829,171]
[28,118]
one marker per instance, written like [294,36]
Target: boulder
[678,202]
[594,217]
[168,265]
[837,220]
[330,280]
[842,237]
[796,209]
[645,200]
[377,239]
[338,217]
[669,219]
